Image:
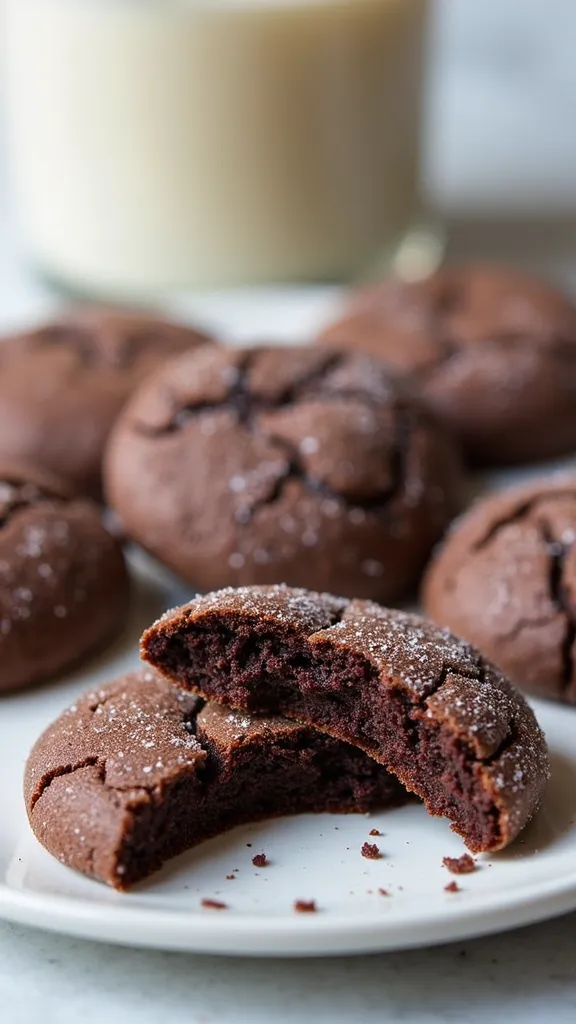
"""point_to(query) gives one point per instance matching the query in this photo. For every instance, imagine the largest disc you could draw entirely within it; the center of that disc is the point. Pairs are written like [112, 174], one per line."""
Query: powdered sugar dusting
[133, 730]
[443, 678]
[318, 446]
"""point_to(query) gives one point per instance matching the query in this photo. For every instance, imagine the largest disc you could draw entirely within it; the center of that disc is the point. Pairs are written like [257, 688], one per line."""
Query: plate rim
[301, 936]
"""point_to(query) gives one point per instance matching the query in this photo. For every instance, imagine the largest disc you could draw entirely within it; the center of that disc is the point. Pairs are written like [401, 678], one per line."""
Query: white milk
[166, 143]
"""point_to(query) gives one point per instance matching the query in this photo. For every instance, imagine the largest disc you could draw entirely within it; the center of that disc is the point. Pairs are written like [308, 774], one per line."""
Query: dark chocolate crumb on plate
[452, 887]
[231, 878]
[463, 865]
[214, 905]
[305, 906]
[370, 851]
[375, 832]
[260, 860]
[384, 892]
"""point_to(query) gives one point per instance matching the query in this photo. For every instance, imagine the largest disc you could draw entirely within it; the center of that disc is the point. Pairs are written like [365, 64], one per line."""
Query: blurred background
[501, 135]
[499, 158]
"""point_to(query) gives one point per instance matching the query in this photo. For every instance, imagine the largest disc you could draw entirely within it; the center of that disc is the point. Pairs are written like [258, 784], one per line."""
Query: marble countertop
[505, 64]
[527, 976]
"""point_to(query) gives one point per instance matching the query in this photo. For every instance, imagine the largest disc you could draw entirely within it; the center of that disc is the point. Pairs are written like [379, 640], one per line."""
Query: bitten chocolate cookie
[492, 350]
[296, 464]
[136, 772]
[506, 580]
[420, 701]
[63, 580]
[63, 385]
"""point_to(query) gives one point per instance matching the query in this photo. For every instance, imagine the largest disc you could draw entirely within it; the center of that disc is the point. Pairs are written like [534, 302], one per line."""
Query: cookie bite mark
[414, 697]
[136, 772]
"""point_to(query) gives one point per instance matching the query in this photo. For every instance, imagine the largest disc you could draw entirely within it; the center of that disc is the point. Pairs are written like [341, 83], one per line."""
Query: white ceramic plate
[310, 857]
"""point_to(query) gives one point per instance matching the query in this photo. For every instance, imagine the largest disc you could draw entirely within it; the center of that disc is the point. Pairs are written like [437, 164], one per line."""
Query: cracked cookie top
[492, 350]
[299, 464]
[414, 696]
[63, 384]
[505, 579]
[133, 730]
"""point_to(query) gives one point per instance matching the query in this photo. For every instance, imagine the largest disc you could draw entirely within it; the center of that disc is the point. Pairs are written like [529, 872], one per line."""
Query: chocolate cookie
[63, 581]
[492, 350]
[302, 465]
[63, 385]
[417, 699]
[136, 772]
[506, 580]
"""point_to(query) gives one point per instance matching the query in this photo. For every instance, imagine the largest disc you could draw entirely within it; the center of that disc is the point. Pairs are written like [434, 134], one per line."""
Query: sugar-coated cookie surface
[425, 704]
[63, 384]
[492, 349]
[64, 587]
[136, 772]
[298, 464]
[505, 579]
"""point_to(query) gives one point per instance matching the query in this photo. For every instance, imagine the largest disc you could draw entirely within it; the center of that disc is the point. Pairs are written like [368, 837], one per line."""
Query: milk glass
[163, 144]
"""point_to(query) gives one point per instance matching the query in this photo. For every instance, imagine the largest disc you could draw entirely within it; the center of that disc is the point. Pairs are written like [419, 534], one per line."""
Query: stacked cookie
[374, 703]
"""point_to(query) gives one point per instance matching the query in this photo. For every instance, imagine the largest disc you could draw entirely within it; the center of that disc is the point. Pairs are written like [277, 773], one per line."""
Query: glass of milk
[166, 144]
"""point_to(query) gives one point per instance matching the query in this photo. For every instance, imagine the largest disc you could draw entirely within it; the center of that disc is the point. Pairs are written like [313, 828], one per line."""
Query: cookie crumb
[214, 905]
[370, 851]
[452, 887]
[248, 844]
[375, 832]
[305, 906]
[384, 892]
[231, 878]
[260, 860]
[463, 865]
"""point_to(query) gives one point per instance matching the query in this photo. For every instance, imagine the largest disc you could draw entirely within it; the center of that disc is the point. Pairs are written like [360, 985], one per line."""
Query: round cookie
[63, 385]
[414, 697]
[505, 579]
[136, 772]
[493, 351]
[301, 465]
[63, 581]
